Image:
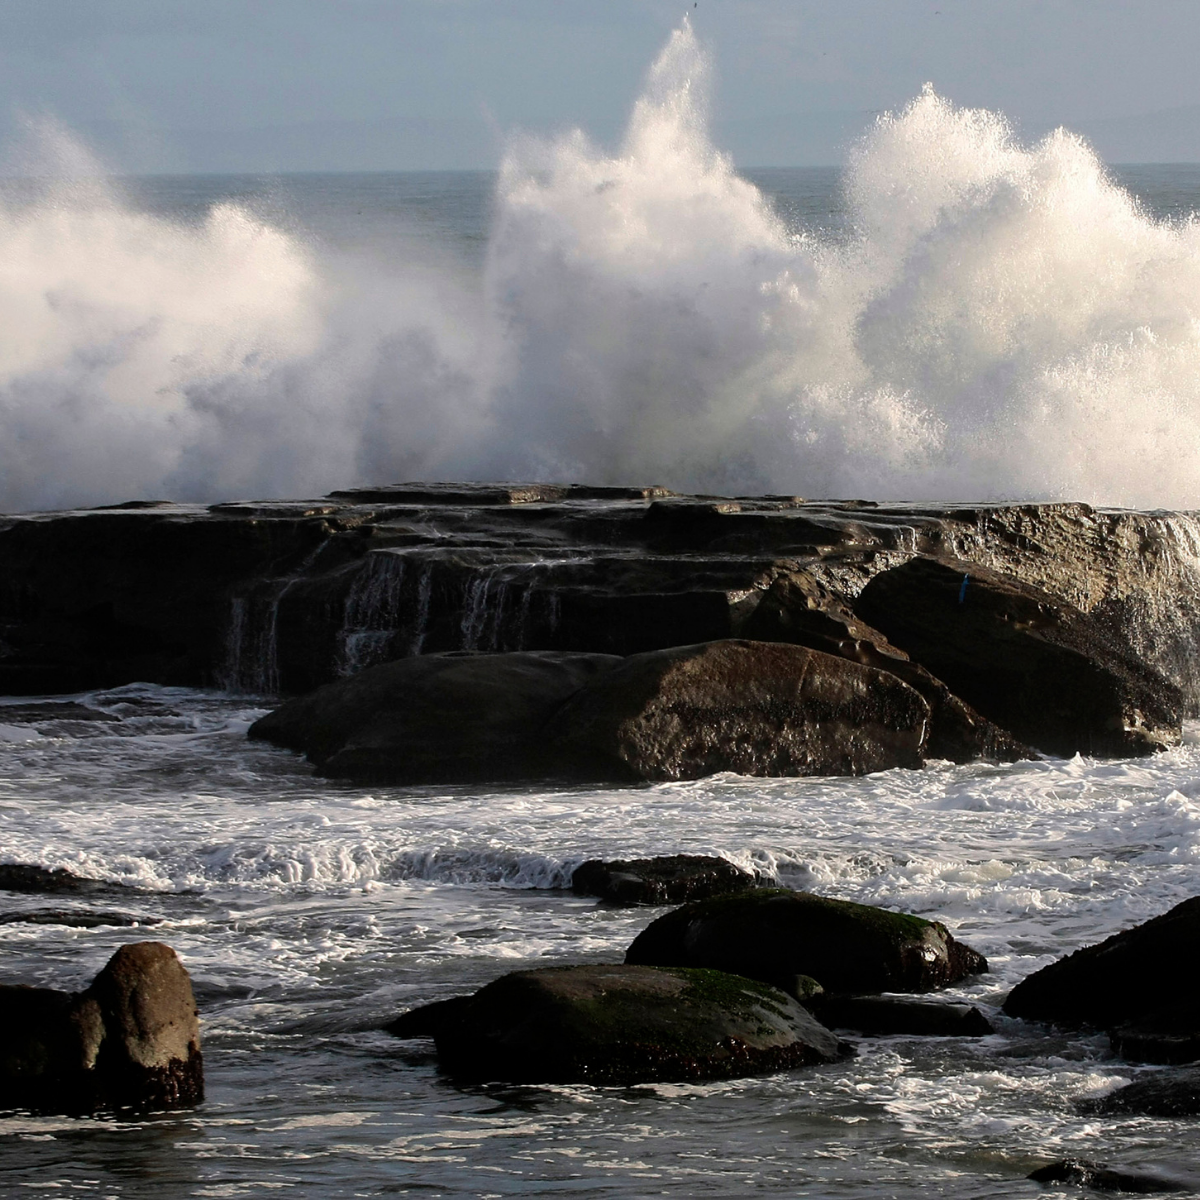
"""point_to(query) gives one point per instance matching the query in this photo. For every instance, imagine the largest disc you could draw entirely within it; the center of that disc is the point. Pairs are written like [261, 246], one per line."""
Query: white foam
[1000, 321]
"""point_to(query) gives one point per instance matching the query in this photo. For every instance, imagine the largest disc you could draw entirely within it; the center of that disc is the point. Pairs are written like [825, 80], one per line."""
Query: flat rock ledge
[130, 1041]
[776, 935]
[621, 1024]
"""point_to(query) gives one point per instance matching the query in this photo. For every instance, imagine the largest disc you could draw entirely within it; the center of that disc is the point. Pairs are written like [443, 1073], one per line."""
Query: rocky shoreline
[477, 633]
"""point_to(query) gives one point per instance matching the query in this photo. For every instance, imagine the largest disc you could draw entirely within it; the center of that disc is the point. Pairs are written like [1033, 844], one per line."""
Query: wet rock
[797, 608]
[1166, 1035]
[74, 918]
[1031, 663]
[622, 1025]
[1170, 1093]
[39, 714]
[667, 879]
[132, 1040]
[1100, 1178]
[29, 878]
[754, 708]
[283, 596]
[775, 935]
[438, 718]
[426, 1020]
[751, 707]
[151, 1050]
[886, 1015]
[1126, 979]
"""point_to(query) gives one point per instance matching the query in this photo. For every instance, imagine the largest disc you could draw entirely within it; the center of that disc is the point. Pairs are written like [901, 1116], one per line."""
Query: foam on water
[996, 320]
[310, 911]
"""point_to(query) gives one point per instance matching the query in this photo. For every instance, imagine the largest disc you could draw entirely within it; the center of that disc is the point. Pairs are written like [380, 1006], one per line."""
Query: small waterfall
[421, 623]
[372, 615]
[252, 637]
[481, 624]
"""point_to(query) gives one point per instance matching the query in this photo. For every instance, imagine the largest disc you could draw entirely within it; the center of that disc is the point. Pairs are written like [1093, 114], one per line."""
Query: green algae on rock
[621, 1024]
[774, 934]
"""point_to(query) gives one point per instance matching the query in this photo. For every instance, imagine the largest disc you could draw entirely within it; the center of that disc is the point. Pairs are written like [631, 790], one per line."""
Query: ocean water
[310, 912]
[953, 315]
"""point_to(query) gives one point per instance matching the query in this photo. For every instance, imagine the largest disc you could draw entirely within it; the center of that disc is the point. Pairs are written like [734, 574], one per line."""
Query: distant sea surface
[403, 215]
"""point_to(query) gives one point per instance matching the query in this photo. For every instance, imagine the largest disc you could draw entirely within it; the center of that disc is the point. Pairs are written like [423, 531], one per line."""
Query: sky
[309, 85]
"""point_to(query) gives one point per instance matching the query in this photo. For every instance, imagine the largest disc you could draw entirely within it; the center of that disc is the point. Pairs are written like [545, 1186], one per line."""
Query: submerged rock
[1100, 1178]
[132, 1040]
[620, 1025]
[1161, 1094]
[30, 878]
[775, 935]
[667, 879]
[75, 918]
[885, 1015]
[1030, 662]
[754, 708]
[438, 718]
[1134, 977]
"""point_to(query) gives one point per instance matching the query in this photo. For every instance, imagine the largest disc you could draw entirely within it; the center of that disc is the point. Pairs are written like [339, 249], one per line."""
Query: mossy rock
[619, 1024]
[774, 934]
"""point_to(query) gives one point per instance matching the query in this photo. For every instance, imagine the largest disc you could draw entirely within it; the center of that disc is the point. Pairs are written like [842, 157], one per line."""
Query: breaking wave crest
[999, 321]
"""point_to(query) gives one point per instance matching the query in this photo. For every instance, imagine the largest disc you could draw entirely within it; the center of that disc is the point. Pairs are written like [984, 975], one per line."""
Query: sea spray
[995, 321]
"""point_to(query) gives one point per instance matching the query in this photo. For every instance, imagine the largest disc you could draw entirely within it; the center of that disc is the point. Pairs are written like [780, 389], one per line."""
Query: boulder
[797, 608]
[774, 935]
[754, 708]
[132, 1040]
[1032, 663]
[880, 1016]
[454, 717]
[621, 1025]
[1127, 979]
[667, 879]
[1172, 1093]
[1100, 1178]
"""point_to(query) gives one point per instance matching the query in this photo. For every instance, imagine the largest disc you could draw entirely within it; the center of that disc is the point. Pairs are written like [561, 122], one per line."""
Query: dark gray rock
[132, 1040]
[1126, 979]
[75, 918]
[438, 718]
[621, 1025]
[667, 879]
[1168, 1093]
[28, 878]
[885, 1015]
[775, 935]
[282, 596]
[1100, 1178]
[754, 708]
[797, 608]
[1166, 1035]
[1028, 661]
